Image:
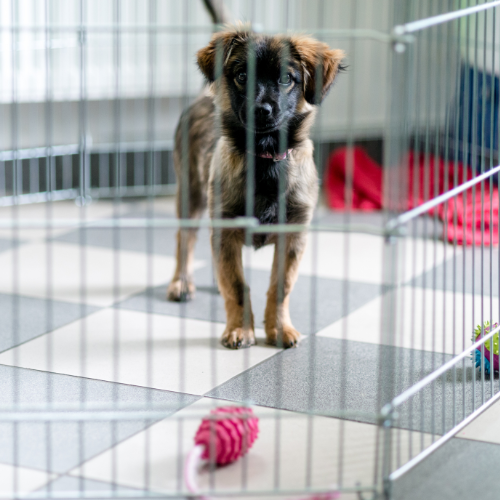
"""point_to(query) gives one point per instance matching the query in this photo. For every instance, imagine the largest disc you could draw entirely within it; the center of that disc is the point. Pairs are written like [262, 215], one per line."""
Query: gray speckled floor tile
[450, 274]
[70, 485]
[61, 446]
[24, 318]
[160, 241]
[312, 297]
[329, 375]
[460, 470]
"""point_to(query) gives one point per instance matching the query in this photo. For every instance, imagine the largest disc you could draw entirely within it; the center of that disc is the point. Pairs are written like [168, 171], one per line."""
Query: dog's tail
[218, 11]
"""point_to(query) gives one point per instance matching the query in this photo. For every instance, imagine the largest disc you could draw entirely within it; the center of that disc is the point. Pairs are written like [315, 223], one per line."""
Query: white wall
[357, 104]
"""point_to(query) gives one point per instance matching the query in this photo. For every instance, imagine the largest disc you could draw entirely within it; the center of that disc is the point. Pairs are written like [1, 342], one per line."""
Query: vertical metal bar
[397, 108]
[456, 157]
[251, 92]
[117, 41]
[82, 200]
[3, 176]
[490, 183]
[49, 167]
[466, 162]
[14, 125]
[138, 169]
[185, 212]
[146, 177]
[473, 164]
[84, 164]
[66, 167]
[417, 71]
[483, 124]
[346, 247]
[34, 171]
[104, 172]
[216, 232]
[445, 53]
[446, 77]
[497, 13]
[313, 241]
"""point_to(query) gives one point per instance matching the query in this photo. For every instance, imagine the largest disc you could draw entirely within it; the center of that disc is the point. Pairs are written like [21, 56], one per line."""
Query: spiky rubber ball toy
[478, 356]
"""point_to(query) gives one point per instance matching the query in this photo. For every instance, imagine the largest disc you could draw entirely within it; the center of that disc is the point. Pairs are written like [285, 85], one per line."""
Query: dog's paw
[289, 338]
[238, 338]
[180, 290]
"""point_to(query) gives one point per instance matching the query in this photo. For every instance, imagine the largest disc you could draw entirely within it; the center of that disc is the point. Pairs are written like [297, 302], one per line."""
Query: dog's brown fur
[211, 168]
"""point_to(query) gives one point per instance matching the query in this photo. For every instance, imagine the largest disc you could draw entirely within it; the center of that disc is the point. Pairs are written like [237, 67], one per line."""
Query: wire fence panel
[319, 183]
[450, 177]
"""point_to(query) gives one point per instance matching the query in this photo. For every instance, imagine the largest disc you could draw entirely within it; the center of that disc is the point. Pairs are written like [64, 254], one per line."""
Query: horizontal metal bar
[72, 194]
[28, 198]
[73, 149]
[406, 217]
[82, 416]
[42, 152]
[126, 223]
[120, 415]
[421, 24]
[399, 400]
[249, 223]
[442, 440]
[112, 28]
[78, 412]
[177, 494]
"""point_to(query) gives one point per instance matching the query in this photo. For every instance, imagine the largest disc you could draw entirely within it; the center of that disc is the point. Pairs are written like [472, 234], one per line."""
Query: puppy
[292, 75]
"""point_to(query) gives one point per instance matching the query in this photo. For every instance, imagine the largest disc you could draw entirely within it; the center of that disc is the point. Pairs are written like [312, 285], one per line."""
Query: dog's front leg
[226, 248]
[287, 255]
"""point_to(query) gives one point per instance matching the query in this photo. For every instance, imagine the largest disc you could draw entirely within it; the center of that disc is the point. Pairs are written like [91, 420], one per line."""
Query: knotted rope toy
[226, 435]
[487, 359]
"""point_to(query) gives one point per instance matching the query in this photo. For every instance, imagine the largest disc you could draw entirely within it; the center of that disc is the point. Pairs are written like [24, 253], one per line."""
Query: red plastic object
[421, 179]
[229, 438]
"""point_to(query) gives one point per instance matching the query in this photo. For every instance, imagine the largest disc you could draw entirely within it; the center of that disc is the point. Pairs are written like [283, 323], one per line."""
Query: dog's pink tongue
[281, 156]
[278, 157]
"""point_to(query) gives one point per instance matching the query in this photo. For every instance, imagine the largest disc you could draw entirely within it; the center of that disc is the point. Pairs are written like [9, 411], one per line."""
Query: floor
[85, 319]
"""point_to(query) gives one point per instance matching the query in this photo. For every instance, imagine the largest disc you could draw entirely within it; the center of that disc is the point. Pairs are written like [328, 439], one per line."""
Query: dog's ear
[220, 46]
[318, 61]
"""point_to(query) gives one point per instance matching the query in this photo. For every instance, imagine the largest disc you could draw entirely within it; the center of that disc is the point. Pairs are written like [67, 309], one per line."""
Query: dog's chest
[270, 191]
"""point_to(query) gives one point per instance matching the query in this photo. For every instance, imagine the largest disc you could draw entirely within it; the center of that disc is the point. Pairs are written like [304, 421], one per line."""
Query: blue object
[479, 364]
[477, 90]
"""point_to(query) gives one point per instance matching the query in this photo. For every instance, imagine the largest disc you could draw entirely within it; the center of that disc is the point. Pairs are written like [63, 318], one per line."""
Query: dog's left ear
[318, 61]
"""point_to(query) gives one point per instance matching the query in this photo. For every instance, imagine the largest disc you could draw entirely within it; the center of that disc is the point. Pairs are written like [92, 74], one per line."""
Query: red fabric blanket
[432, 177]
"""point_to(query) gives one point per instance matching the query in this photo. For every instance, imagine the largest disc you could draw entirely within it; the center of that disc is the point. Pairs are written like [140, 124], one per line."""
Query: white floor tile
[19, 480]
[290, 451]
[356, 257]
[58, 210]
[429, 320]
[185, 356]
[73, 269]
[485, 427]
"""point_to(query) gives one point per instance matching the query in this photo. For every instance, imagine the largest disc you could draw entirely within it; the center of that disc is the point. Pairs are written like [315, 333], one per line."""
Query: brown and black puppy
[292, 75]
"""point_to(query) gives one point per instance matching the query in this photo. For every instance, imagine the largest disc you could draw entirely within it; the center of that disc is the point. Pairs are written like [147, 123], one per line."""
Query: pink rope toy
[226, 435]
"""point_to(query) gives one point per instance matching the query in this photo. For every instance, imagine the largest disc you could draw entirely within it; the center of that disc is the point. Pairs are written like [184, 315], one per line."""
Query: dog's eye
[285, 79]
[242, 77]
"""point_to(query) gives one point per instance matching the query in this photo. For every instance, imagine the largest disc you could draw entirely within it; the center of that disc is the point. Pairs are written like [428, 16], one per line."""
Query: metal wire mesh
[104, 384]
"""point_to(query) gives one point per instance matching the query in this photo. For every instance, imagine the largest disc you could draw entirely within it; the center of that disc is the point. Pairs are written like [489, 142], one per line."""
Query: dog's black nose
[264, 110]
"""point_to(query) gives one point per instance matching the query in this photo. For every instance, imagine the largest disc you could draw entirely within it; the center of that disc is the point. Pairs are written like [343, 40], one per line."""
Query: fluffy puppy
[292, 75]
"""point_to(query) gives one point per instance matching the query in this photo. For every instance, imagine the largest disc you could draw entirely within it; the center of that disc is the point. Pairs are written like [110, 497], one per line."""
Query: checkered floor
[84, 313]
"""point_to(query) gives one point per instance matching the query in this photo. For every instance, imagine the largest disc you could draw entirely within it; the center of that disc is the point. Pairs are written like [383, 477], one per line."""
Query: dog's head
[282, 75]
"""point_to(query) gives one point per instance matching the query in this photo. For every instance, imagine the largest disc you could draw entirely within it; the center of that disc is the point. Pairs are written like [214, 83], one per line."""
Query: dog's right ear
[213, 57]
